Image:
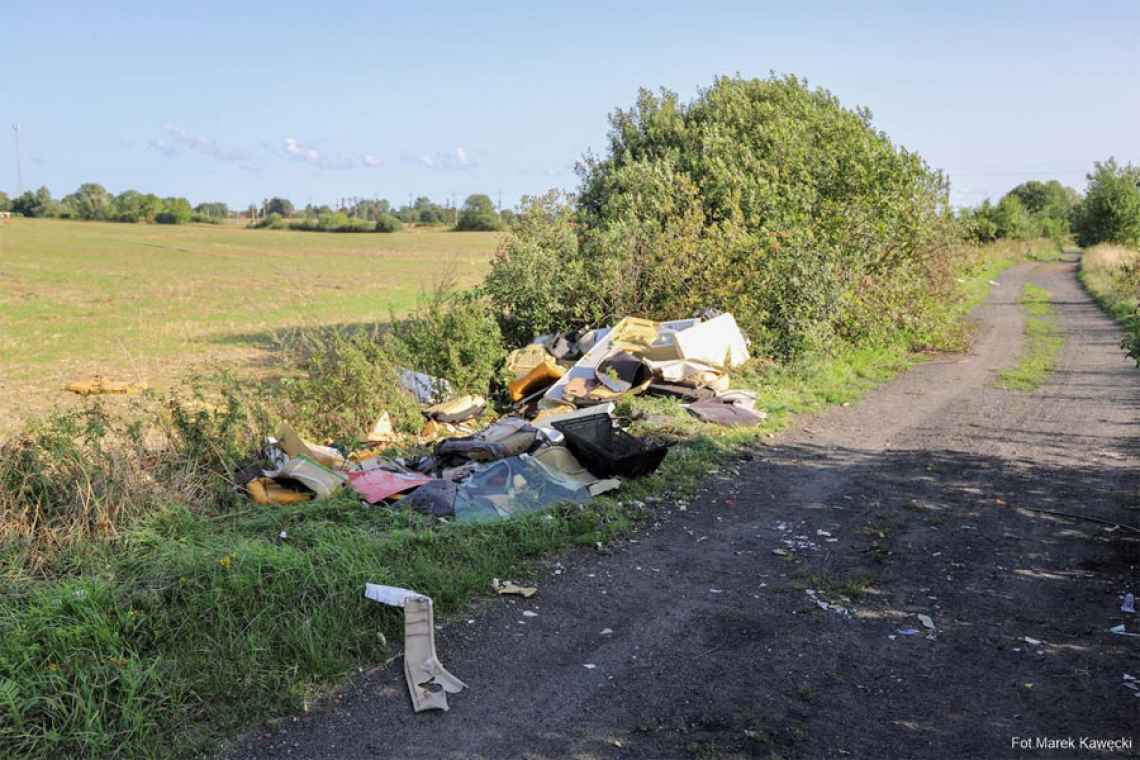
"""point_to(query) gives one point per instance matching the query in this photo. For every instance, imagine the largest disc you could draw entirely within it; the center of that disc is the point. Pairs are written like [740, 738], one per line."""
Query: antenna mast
[19, 167]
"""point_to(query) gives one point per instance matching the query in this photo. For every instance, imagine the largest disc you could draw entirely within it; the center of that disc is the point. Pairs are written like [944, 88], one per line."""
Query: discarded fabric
[505, 437]
[424, 387]
[428, 681]
[457, 410]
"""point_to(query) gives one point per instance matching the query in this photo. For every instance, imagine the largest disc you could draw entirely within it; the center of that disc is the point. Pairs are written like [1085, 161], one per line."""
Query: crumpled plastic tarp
[505, 488]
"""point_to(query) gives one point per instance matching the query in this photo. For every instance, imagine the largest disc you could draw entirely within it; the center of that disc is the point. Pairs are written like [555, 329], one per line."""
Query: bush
[388, 223]
[174, 211]
[539, 280]
[333, 222]
[347, 380]
[271, 222]
[761, 197]
[455, 336]
[1110, 212]
[478, 213]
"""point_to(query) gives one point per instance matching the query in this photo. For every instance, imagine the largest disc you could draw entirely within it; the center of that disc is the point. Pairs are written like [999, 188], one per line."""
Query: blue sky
[240, 101]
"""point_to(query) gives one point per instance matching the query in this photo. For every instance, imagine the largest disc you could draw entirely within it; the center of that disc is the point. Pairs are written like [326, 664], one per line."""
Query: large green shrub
[1110, 212]
[762, 197]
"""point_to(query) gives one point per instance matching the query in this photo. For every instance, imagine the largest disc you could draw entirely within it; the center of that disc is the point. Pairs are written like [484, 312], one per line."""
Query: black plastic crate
[607, 451]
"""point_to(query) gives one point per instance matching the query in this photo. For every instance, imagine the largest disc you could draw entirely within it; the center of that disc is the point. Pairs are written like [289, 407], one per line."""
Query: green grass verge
[1043, 341]
[190, 628]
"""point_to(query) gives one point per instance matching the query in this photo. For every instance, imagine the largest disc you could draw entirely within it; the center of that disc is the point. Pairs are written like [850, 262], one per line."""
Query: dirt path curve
[908, 503]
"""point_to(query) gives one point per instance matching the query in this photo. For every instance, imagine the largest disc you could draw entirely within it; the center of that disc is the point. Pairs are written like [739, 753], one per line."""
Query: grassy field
[144, 302]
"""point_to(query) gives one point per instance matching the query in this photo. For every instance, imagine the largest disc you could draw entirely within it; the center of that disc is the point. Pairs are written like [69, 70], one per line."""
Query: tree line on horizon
[92, 202]
[1108, 212]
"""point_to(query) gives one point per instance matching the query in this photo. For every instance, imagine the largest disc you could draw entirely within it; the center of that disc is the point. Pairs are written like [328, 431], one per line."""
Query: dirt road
[909, 502]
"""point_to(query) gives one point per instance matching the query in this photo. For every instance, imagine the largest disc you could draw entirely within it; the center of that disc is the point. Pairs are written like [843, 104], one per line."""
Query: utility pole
[19, 167]
[500, 209]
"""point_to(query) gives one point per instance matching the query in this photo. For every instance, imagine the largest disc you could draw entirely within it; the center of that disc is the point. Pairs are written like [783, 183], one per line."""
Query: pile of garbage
[560, 443]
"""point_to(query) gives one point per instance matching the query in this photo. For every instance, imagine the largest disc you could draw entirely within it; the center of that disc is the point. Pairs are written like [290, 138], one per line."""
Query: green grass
[190, 626]
[146, 302]
[1043, 341]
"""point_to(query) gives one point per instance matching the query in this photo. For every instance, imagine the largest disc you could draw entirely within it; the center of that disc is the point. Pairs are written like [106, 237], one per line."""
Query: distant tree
[508, 216]
[5, 202]
[37, 204]
[174, 211]
[388, 223]
[1110, 211]
[90, 202]
[216, 210]
[277, 206]
[478, 214]
[429, 212]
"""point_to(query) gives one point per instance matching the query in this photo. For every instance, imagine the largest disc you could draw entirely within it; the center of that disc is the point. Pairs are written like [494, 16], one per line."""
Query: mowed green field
[144, 303]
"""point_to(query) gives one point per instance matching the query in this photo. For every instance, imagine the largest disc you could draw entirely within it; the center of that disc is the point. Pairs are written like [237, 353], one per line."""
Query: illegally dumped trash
[424, 387]
[561, 444]
[380, 483]
[731, 408]
[265, 490]
[100, 386]
[457, 410]
[428, 681]
[510, 587]
[607, 451]
[296, 446]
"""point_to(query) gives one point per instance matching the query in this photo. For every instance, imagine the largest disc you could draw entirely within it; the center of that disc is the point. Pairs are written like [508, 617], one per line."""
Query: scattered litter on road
[1129, 604]
[529, 613]
[825, 605]
[606, 631]
[589, 666]
[428, 681]
[510, 587]
[1032, 641]
[926, 621]
[1120, 630]
[908, 631]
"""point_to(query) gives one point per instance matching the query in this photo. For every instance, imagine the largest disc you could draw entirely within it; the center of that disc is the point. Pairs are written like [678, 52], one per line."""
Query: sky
[238, 102]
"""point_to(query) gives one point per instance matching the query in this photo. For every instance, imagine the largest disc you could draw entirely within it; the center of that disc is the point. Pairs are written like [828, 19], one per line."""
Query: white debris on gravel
[823, 604]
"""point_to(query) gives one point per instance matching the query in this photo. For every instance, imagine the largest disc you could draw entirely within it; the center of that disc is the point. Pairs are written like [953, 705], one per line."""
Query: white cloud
[179, 138]
[455, 159]
[310, 155]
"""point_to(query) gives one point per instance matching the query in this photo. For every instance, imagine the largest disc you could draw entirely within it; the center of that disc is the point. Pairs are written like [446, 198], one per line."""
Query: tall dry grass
[1107, 257]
